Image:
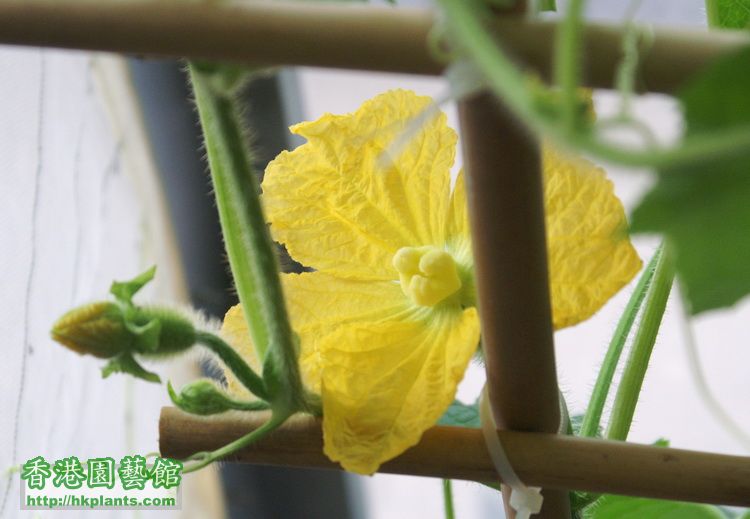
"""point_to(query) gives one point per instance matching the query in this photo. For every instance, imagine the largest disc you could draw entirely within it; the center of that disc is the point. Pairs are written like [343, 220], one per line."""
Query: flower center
[428, 274]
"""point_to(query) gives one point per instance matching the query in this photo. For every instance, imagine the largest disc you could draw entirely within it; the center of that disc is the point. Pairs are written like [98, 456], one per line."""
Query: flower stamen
[428, 274]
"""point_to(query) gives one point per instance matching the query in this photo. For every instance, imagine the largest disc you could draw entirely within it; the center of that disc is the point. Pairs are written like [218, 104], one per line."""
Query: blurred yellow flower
[388, 320]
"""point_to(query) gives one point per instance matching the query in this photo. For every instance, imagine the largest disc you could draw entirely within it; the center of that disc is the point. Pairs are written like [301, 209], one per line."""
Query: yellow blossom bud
[96, 329]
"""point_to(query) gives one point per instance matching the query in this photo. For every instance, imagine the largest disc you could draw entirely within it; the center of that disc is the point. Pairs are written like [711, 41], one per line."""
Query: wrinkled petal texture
[318, 304]
[385, 368]
[457, 232]
[341, 206]
[234, 331]
[590, 255]
[386, 382]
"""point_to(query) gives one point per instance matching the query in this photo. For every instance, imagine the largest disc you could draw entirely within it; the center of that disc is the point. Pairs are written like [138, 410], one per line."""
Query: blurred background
[104, 175]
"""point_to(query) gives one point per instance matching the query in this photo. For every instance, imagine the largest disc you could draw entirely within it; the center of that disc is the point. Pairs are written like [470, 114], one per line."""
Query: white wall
[79, 207]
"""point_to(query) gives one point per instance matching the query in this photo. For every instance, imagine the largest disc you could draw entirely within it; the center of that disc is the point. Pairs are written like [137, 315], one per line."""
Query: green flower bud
[200, 397]
[205, 397]
[105, 330]
[118, 330]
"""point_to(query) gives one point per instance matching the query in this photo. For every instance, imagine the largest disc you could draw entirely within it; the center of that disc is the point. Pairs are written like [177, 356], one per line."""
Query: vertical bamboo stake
[506, 210]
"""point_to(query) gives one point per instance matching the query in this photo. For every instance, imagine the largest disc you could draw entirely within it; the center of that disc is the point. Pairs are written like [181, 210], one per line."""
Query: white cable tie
[525, 500]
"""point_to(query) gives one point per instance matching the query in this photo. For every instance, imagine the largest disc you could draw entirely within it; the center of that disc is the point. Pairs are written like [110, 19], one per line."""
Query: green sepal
[146, 336]
[125, 290]
[125, 363]
[204, 397]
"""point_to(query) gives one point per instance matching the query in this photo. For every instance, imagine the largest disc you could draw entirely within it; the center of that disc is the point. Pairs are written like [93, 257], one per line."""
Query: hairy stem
[206, 458]
[592, 418]
[631, 383]
[567, 61]
[248, 242]
[234, 362]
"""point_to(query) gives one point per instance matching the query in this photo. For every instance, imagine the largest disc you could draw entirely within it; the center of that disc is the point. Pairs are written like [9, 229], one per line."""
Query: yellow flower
[388, 321]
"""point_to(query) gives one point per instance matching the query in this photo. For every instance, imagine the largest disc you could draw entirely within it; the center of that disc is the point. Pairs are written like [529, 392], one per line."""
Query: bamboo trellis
[506, 212]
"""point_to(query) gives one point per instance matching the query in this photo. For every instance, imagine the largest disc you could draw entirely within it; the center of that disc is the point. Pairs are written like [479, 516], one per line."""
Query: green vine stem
[203, 459]
[234, 362]
[567, 50]
[592, 418]
[448, 499]
[629, 389]
[465, 22]
[248, 242]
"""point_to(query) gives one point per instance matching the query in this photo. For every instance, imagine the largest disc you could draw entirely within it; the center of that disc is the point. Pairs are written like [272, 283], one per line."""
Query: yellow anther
[428, 275]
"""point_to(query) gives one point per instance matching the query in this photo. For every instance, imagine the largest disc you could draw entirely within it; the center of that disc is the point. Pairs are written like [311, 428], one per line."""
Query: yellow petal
[339, 208]
[590, 255]
[234, 330]
[385, 383]
[318, 304]
[457, 230]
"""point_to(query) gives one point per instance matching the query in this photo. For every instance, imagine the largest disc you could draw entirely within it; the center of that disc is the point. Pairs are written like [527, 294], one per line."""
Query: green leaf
[621, 507]
[728, 14]
[704, 207]
[459, 414]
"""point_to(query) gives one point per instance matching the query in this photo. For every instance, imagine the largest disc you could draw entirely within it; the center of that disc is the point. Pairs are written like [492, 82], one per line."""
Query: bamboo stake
[332, 35]
[506, 211]
[546, 460]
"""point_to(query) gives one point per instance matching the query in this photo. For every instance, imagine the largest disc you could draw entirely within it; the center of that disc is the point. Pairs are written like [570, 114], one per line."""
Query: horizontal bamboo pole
[331, 35]
[539, 459]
